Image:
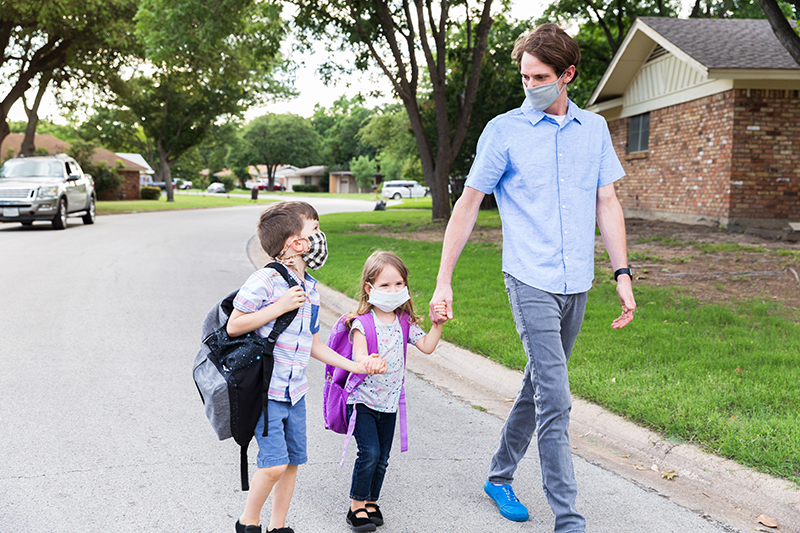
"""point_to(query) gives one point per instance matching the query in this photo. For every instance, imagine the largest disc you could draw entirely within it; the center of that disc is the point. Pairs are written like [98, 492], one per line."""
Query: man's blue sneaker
[507, 502]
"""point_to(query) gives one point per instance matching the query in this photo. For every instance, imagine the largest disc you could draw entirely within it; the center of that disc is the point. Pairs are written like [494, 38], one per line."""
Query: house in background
[146, 175]
[705, 118]
[342, 182]
[128, 170]
[305, 176]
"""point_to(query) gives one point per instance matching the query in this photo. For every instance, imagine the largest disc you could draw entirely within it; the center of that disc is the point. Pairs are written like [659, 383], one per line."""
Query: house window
[307, 180]
[639, 133]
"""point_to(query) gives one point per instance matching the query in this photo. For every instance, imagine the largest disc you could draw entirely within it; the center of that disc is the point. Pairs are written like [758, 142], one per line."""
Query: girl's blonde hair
[372, 269]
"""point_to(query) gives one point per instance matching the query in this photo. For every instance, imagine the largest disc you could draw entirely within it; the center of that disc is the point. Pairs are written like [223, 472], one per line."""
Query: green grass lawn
[724, 377]
[182, 201]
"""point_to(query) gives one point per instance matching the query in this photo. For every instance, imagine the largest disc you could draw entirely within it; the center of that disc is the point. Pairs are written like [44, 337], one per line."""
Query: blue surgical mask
[542, 96]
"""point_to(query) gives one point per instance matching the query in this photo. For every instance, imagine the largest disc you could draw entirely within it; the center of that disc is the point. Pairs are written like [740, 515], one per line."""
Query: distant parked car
[397, 189]
[48, 188]
[216, 187]
[184, 184]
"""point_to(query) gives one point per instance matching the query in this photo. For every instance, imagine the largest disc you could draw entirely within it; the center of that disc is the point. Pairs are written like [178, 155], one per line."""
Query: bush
[151, 193]
[305, 188]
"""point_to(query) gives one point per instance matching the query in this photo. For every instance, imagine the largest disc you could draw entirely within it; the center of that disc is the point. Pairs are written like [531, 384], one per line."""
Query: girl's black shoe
[241, 528]
[359, 523]
[375, 516]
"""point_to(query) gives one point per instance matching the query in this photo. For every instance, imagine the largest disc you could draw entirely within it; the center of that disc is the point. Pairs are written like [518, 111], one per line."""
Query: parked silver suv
[49, 188]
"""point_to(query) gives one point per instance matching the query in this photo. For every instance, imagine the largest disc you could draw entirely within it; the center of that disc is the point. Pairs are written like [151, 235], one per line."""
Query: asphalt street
[102, 427]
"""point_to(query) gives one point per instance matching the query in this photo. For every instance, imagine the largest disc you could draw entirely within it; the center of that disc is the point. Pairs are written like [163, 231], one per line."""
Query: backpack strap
[405, 325]
[354, 380]
[281, 323]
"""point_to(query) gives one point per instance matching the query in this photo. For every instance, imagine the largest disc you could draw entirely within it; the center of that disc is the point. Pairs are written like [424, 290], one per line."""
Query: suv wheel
[396, 196]
[89, 217]
[60, 220]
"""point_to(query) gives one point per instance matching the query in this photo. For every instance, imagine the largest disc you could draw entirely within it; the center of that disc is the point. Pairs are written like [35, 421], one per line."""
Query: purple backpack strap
[405, 324]
[354, 380]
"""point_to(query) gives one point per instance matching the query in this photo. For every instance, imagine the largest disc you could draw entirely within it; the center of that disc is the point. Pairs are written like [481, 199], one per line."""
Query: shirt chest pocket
[582, 170]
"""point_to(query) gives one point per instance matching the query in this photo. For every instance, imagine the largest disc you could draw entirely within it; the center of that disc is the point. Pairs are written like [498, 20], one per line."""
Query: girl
[384, 295]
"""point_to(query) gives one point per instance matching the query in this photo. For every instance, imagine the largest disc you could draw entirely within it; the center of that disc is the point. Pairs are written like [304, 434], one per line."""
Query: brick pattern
[765, 175]
[727, 157]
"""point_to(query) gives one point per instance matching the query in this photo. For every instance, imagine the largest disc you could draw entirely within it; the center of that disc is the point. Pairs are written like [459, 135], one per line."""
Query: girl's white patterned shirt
[381, 392]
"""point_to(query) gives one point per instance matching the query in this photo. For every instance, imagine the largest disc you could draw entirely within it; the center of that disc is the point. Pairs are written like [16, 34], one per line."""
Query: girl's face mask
[388, 301]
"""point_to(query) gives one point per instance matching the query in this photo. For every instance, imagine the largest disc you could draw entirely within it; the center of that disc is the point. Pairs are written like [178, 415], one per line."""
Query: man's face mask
[542, 96]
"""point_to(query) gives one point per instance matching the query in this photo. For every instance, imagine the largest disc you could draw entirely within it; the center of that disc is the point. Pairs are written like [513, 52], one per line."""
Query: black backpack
[232, 374]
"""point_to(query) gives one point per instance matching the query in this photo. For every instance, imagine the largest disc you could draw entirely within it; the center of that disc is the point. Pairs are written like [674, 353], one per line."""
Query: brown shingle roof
[725, 43]
[54, 145]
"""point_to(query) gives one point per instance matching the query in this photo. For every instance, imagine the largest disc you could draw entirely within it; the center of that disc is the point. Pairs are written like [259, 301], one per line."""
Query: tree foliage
[363, 169]
[274, 140]
[338, 127]
[78, 42]
[394, 36]
[211, 59]
[389, 132]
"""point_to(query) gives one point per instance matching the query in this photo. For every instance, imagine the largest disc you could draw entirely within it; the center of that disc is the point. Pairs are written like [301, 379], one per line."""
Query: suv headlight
[48, 192]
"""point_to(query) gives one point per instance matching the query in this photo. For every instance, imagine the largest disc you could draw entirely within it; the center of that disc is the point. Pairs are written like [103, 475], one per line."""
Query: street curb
[718, 489]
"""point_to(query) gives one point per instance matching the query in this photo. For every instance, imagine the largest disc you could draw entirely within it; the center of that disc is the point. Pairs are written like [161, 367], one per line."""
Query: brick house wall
[129, 188]
[765, 176]
[731, 158]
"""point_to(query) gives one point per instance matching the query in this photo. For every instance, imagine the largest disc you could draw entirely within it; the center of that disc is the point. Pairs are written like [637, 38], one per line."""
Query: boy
[289, 232]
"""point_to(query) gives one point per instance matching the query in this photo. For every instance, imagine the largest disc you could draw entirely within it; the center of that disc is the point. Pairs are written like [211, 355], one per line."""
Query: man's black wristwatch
[623, 271]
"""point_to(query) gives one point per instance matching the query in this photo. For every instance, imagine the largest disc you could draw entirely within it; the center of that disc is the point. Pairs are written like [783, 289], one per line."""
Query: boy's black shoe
[359, 523]
[375, 516]
[281, 530]
[241, 528]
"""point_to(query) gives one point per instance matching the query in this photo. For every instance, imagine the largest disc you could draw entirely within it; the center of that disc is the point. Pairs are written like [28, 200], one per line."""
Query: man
[551, 166]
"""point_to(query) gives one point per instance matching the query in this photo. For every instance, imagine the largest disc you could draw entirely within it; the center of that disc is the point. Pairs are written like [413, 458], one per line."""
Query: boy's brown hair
[280, 221]
[552, 46]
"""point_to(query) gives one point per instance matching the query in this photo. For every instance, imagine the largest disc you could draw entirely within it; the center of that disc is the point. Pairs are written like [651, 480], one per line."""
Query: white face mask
[388, 301]
[542, 96]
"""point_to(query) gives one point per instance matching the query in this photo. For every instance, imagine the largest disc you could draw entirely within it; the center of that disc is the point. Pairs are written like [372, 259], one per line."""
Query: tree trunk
[165, 170]
[29, 142]
[782, 29]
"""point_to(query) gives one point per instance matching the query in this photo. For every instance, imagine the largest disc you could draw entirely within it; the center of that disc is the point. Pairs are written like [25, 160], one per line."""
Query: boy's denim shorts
[285, 443]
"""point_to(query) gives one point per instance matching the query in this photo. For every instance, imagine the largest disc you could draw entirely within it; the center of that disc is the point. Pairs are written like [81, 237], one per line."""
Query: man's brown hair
[552, 46]
[280, 221]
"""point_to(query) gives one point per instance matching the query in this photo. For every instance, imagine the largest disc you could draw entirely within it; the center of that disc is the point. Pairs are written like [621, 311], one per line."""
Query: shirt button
[563, 206]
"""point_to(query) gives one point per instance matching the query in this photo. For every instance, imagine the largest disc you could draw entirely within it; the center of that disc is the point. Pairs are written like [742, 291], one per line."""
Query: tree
[275, 140]
[339, 127]
[786, 34]
[393, 34]
[212, 60]
[363, 169]
[500, 89]
[389, 132]
[85, 39]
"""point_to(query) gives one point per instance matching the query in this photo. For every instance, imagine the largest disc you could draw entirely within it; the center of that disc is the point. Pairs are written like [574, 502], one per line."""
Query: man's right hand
[442, 294]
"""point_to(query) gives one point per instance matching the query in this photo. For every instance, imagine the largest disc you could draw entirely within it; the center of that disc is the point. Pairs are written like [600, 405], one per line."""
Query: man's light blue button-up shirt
[545, 178]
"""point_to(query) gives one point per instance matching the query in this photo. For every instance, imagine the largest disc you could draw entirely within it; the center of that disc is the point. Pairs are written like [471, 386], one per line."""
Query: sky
[307, 82]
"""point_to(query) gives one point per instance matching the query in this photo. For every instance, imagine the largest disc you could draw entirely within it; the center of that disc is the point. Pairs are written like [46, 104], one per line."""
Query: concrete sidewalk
[722, 491]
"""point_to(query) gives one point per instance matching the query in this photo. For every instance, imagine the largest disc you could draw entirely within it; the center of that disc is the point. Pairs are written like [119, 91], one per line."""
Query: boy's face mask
[317, 252]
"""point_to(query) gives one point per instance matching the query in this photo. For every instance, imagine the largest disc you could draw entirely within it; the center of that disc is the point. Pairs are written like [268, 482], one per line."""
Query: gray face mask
[542, 96]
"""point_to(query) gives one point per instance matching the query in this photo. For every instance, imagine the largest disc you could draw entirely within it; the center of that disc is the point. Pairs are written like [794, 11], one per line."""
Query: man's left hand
[625, 293]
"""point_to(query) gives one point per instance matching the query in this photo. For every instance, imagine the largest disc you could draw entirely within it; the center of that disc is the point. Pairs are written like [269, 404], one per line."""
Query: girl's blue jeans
[374, 432]
[548, 325]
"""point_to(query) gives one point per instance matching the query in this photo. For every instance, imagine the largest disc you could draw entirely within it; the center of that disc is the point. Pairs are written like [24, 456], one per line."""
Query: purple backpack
[339, 383]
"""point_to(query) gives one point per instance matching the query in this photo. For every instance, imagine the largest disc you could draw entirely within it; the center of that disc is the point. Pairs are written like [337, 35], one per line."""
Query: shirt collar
[536, 116]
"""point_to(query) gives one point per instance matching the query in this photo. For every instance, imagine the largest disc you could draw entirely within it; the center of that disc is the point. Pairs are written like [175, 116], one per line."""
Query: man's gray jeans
[548, 325]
